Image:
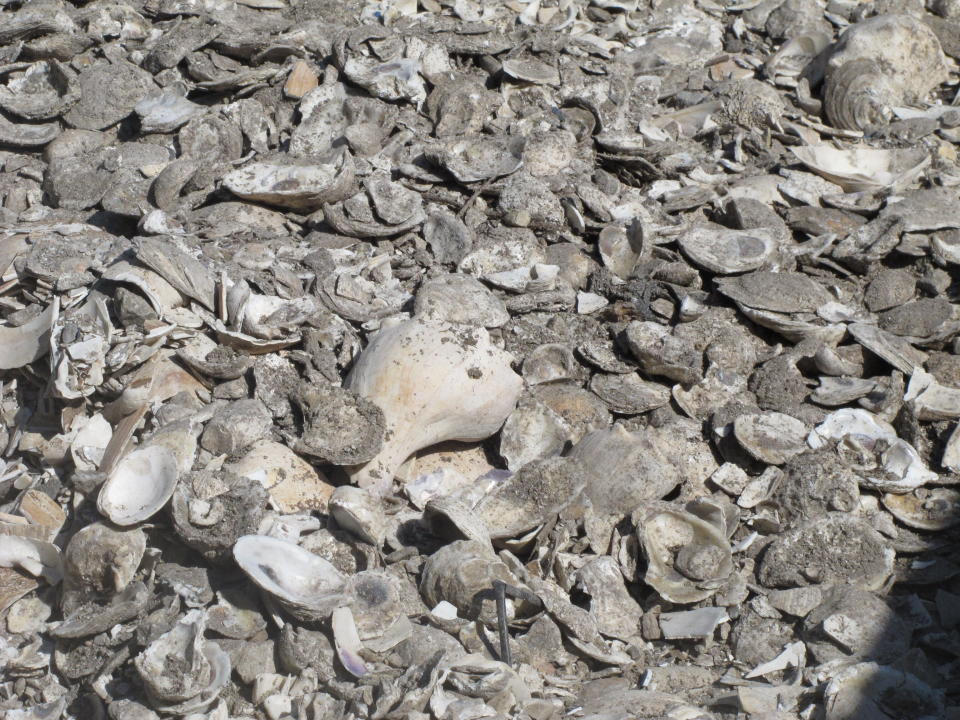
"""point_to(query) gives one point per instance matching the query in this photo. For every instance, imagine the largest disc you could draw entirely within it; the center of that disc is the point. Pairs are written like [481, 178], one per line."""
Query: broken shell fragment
[304, 584]
[688, 558]
[434, 382]
[771, 437]
[925, 508]
[862, 169]
[139, 486]
[359, 512]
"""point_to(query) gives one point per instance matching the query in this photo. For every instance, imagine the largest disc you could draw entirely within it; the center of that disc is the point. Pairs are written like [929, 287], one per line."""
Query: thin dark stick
[500, 588]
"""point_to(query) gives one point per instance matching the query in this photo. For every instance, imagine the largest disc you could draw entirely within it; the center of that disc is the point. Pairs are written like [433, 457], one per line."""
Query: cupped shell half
[688, 559]
[139, 486]
[304, 584]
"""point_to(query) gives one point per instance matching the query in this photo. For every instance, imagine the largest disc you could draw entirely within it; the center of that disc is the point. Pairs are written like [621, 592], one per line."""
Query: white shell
[725, 251]
[862, 168]
[139, 486]
[306, 585]
[434, 382]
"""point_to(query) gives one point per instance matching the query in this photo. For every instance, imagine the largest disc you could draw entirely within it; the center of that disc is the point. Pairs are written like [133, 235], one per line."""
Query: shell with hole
[434, 382]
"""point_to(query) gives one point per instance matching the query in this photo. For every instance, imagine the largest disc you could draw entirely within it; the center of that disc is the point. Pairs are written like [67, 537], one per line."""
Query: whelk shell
[434, 382]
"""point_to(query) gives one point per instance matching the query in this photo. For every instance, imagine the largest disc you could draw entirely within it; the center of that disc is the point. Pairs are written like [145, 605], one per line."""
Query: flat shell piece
[726, 252]
[861, 169]
[293, 484]
[139, 486]
[692, 624]
[531, 70]
[782, 292]
[771, 437]
[629, 394]
[896, 351]
[22, 345]
[837, 548]
[925, 508]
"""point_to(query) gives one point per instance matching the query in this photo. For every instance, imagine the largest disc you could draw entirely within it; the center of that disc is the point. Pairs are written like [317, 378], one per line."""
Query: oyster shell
[304, 584]
[878, 64]
[303, 187]
[139, 485]
[182, 672]
[42, 91]
[359, 512]
[727, 252]
[409, 370]
[864, 169]
[477, 158]
[688, 558]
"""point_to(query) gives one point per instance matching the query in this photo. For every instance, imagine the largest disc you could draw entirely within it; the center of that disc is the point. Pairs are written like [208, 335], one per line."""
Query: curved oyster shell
[180, 670]
[862, 168]
[377, 609]
[925, 508]
[794, 57]
[304, 584]
[434, 382]
[299, 186]
[359, 512]
[477, 158]
[43, 91]
[724, 251]
[462, 573]
[688, 558]
[139, 486]
[880, 63]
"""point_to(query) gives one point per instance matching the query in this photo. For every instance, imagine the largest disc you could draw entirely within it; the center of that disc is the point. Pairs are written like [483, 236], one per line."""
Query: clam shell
[139, 485]
[304, 584]
[673, 540]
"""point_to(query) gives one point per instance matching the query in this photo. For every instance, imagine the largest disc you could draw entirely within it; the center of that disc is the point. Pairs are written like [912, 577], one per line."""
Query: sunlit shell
[859, 169]
[925, 508]
[377, 609]
[304, 584]
[360, 512]
[301, 187]
[688, 558]
[724, 251]
[139, 486]
[885, 61]
[100, 560]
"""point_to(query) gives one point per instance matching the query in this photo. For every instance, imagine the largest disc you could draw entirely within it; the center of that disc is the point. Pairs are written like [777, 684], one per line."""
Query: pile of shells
[451, 360]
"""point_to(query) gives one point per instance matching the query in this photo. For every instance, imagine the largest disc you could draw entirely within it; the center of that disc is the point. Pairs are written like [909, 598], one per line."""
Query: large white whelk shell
[688, 559]
[181, 671]
[139, 486]
[434, 382]
[304, 584]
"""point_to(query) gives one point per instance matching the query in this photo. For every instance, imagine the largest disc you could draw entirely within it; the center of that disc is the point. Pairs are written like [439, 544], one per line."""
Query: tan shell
[434, 382]
[300, 187]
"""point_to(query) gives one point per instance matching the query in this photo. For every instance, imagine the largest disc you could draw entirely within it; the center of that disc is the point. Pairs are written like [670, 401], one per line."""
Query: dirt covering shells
[467, 360]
